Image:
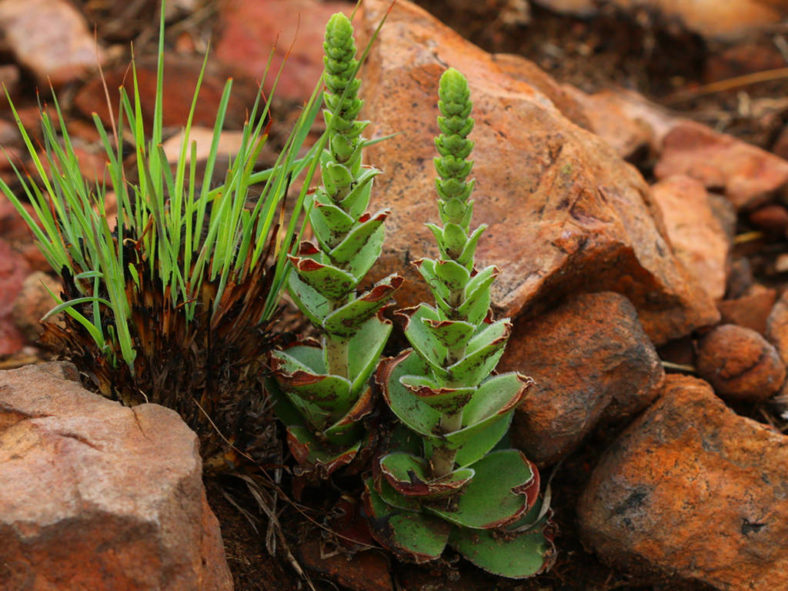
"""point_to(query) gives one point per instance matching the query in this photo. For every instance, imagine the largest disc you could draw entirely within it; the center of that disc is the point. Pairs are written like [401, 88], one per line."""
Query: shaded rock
[293, 29]
[696, 234]
[747, 175]
[180, 79]
[710, 18]
[9, 80]
[740, 277]
[777, 327]
[739, 363]
[780, 147]
[13, 270]
[366, 571]
[94, 495]
[725, 212]
[564, 213]
[741, 59]
[626, 120]
[50, 38]
[750, 310]
[33, 302]
[679, 352]
[771, 218]
[691, 489]
[591, 361]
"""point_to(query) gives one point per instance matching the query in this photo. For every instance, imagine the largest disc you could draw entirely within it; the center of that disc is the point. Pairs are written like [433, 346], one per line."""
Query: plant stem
[442, 460]
[336, 356]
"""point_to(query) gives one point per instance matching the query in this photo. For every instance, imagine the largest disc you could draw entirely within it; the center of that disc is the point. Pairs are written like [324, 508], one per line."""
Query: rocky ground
[631, 166]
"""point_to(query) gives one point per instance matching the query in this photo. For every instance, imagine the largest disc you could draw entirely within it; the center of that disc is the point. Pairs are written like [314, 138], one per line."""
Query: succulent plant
[323, 387]
[443, 481]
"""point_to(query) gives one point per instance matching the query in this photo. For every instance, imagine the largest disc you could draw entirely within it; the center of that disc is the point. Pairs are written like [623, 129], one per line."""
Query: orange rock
[49, 37]
[750, 310]
[292, 29]
[772, 218]
[747, 175]
[564, 213]
[591, 361]
[626, 120]
[565, 101]
[739, 363]
[698, 238]
[366, 571]
[33, 302]
[709, 18]
[13, 270]
[692, 490]
[777, 327]
[94, 495]
[180, 79]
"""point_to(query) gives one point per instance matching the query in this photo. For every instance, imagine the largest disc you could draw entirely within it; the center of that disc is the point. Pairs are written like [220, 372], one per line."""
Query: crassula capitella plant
[444, 480]
[323, 388]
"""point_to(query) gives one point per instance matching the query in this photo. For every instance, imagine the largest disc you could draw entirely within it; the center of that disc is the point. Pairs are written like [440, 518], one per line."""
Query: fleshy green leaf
[415, 537]
[346, 320]
[409, 475]
[495, 497]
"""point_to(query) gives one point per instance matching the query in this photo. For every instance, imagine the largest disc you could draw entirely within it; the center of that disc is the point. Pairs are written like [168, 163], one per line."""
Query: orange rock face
[740, 363]
[564, 212]
[591, 361]
[94, 495]
[693, 490]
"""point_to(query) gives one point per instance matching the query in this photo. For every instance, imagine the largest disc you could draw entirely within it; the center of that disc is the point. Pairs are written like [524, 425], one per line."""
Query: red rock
[365, 571]
[747, 175]
[692, 490]
[709, 18]
[49, 37]
[625, 119]
[772, 218]
[591, 361]
[743, 58]
[780, 147]
[94, 495]
[251, 29]
[698, 238]
[180, 79]
[33, 302]
[565, 214]
[740, 363]
[13, 270]
[777, 327]
[750, 310]
[9, 82]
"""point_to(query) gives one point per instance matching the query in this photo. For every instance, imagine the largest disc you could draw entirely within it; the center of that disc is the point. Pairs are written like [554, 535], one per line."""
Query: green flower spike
[323, 388]
[442, 483]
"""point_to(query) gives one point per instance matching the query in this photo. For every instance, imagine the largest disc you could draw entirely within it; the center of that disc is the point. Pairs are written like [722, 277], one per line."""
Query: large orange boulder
[565, 213]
